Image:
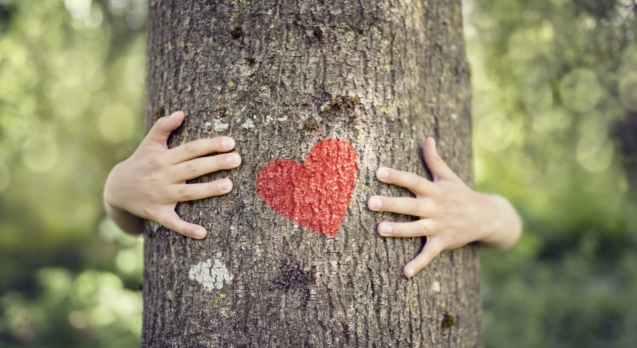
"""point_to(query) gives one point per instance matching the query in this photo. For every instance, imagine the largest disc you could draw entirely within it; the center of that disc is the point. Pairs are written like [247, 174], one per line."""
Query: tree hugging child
[150, 183]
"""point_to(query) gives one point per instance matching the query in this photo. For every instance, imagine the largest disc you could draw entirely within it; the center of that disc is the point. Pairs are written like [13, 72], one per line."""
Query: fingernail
[382, 173]
[228, 143]
[374, 203]
[384, 229]
[199, 233]
[224, 185]
[233, 159]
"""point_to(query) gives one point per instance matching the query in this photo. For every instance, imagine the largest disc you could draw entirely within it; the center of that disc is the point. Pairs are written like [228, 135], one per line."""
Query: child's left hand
[451, 214]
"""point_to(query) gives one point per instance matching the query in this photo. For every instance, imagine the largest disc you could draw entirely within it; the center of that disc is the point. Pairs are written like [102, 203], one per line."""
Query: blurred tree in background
[555, 111]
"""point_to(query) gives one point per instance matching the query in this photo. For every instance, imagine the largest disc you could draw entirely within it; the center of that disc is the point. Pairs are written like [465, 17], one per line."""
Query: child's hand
[151, 182]
[451, 214]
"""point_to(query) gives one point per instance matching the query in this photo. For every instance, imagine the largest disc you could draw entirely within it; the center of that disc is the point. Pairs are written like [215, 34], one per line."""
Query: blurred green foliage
[71, 106]
[555, 115]
[555, 112]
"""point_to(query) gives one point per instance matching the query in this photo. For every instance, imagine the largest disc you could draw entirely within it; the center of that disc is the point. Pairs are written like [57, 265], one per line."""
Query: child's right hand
[150, 183]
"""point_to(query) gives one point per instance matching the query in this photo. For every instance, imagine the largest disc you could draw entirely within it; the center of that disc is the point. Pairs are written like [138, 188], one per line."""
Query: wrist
[110, 191]
[509, 227]
[126, 220]
[493, 226]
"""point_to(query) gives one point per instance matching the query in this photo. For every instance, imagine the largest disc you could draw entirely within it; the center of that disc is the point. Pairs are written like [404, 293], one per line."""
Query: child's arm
[451, 214]
[150, 183]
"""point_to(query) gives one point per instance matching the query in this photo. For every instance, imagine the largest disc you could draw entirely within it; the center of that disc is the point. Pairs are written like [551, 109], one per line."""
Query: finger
[173, 222]
[420, 207]
[431, 249]
[161, 130]
[198, 148]
[191, 192]
[204, 165]
[411, 181]
[422, 227]
[436, 165]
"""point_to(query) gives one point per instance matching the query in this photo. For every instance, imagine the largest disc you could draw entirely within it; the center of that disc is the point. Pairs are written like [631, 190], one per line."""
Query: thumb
[436, 165]
[161, 130]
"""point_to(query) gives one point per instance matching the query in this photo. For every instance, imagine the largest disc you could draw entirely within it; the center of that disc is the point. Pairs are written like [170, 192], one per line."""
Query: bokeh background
[555, 131]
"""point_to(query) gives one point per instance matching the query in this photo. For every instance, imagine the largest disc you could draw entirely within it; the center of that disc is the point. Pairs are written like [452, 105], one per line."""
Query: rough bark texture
[272, 75]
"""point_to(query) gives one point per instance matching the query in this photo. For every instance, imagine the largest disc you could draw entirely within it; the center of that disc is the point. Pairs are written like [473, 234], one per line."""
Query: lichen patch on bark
[248, 124]
[220, 126]
[436, 286]
[210, 276]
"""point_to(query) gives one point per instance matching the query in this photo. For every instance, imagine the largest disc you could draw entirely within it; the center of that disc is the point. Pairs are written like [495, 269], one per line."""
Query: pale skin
[450, 213]
[150, 183]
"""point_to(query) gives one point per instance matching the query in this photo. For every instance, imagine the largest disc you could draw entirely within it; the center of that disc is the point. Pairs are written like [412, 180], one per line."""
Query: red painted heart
[314, 195]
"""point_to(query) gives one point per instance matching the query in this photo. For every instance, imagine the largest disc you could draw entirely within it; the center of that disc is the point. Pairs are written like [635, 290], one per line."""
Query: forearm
[126, 221]
[509, 226]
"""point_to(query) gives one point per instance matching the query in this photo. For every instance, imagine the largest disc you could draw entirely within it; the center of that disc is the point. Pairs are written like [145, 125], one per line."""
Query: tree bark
[280, 77]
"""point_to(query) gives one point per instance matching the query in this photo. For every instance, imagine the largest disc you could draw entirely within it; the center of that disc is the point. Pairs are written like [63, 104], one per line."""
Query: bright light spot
[494, 133]
[56, 281]
[77, 319]
[79, 9]
[17, 317]
[538, 100]
[86, 284]
[589, 23]
[594, 159]
[5, 176]
[101, 316]
[552, 120]
[119, 3]
[594, 152]
[517, 41]
[116, 123]
[104, 302]
[118, 7]
[628, 91]
[40, 153]
[95, 18]
[525, 44]
[108, 230]
[481, 170]
[580, 90]
[129, 260]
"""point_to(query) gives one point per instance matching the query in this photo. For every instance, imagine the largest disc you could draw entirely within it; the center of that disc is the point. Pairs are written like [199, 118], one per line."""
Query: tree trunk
[280, 77]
